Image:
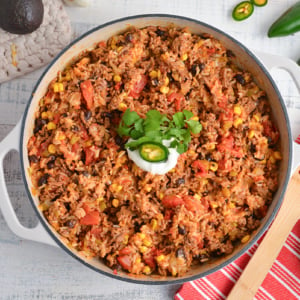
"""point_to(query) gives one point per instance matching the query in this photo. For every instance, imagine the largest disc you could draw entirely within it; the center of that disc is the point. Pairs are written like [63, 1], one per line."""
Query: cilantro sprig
[156, 127]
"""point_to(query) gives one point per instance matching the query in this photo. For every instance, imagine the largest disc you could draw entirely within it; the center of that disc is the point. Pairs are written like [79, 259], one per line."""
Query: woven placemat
[20, 54]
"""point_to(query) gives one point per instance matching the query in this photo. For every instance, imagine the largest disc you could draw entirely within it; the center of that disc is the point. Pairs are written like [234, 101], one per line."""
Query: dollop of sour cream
[159, 168]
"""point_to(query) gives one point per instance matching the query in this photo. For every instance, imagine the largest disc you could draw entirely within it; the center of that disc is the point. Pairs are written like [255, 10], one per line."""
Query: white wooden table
[29, 270]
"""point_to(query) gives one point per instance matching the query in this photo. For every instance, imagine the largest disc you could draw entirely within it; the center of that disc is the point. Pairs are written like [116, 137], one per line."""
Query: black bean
[160, 32]
[155, 82]
[75, 128]
[180, 253]
[50, 164]
[39, 123]
[229, 53]
[137, 226]
[180, 181]
[205, 193]
[119, 140]
[43, 179]
[33, 158]
[240, 79]
[85, 173]
[252, 148]
[208, 157]
[70, 223]
[87, 114]
[181, 229]
[129, 37]
[107, 114]
[194, 69]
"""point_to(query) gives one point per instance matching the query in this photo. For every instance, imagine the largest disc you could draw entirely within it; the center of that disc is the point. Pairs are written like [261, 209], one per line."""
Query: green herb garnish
[157, 127]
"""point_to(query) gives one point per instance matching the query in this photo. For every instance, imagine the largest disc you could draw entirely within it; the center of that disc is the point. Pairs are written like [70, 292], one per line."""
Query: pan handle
[38, 233]
[272, 61]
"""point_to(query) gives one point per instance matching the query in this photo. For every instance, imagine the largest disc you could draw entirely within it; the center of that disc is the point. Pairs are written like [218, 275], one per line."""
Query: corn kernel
[141, 235]
[138, 260]
[184, 57]
[153, 74]
[147, 242]
[117, 78]
[277, 155]
[237, 122]
[102, 206]
[245, 239]
[213, 166]
[226, 192]
[164, 89]
[197, 197]
[44, 115]
[119, 49]
[122, 106]
[147, 270]
[154, 224]
[195, 118]
[115, 202]
[237, 110]
[51, 126]
[210, 146]
[251, 134]
[160, 258]
[272, 160]
[256, 117]
[233, 173]
[51, 149]
[88, 143]
[161, 195]
[158, 74]
[58, 87]
[143, 249]
[227, 125]
[231, 205]
[74, 139]
[148, 188]
[174, 272]
[125, 239]
[166, 82]
[214, 205]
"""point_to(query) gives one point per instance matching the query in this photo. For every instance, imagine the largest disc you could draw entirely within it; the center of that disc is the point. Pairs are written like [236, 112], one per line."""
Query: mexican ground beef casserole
[102, 204]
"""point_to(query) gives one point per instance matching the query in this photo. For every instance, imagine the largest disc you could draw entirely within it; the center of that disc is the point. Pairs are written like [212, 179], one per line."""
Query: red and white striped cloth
[282, 281]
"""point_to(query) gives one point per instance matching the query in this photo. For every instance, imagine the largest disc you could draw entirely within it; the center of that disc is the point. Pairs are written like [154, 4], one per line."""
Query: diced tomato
[75, 147]
[200, 167]
[168, 214]
[237, 152]
[96, 232]
[226, 144]
[138, 86]
[83, 133]
[89, 156]
[222, 102]
[150, 261]
[170, 201]
[125, 262]
[177, 98]
[270, 131]
[225, 165]
[87, 91]
[192, 203]
[118, 86]
[125, 251]
[226, 116]
[56, 118]
[92, 218]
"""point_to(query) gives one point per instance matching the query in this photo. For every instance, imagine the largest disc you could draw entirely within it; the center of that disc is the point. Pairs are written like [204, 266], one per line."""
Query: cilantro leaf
[130, 117]
[178, 119]
[194, 126]
[187, 114]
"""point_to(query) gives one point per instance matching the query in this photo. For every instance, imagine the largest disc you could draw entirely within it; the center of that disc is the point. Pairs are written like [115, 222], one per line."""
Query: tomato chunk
[87, 91]
[138, 86]
[92, 218]
[192, 204]
[125, 262]
[89, 156]
[177, 98]
[170, 201]
[200, 167]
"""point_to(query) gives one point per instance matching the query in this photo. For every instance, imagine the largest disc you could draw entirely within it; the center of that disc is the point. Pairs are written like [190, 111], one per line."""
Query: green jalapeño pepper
[287, 24]
[153, 152]
[243, 11]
